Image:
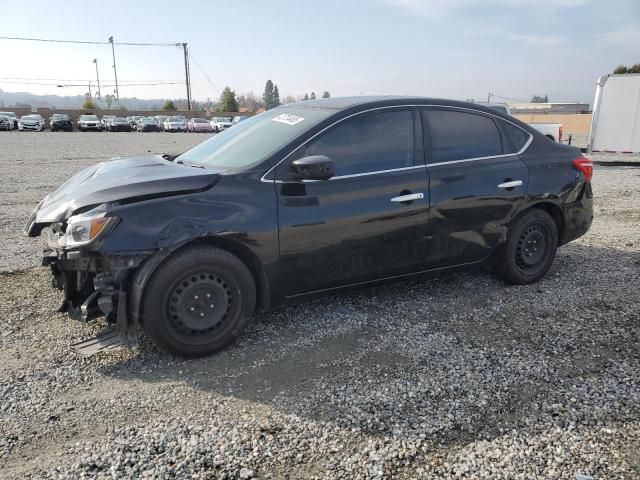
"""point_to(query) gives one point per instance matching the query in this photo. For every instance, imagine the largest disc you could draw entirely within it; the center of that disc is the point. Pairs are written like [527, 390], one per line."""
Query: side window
[367, 143]
[515, 136]
[460, 135]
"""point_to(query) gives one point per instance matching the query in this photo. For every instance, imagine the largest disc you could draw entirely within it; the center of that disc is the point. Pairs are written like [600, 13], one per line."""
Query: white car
[31, 122]
[105, 120]
[176, 123]
[219, 124]
[89, 122]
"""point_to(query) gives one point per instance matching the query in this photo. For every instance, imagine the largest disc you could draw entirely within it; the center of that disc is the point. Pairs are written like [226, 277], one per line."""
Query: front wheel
[530, 248]
[198, 301]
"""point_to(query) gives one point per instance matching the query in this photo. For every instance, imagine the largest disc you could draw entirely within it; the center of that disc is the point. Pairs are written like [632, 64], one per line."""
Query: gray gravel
[453, 376]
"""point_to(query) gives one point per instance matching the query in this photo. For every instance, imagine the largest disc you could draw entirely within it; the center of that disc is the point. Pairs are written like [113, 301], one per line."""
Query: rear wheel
[530, 248]
[198, 301]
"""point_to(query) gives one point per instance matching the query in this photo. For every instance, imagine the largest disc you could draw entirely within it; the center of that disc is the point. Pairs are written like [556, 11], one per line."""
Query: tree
[169, 106]
[621, 69]
[326, 94]
[89, 105]
[313, 96]
[276, 96]
[538, 99]
[306, 96]
[228, 102]
[109, 99]
[267, 96]
[634, 68]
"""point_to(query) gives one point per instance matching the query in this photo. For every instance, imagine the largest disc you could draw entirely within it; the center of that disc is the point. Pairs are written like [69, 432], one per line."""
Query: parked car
[134, 121]
[118, 124]
[60, 121]
[175, 123]
[31, 122]
[6, 123]
[13, 117]
[89, 122]
[161, 119]
[105, 120]
[199, 125]
[148, 124]
[239, 118]
[306, 199]
[553, 131]
[221, 123]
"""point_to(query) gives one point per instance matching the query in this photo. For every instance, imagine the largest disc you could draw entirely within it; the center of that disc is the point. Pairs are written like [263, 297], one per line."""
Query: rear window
[516, 138]
[460, 135]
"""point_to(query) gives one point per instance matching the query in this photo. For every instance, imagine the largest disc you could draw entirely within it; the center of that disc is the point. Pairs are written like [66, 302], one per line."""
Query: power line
[37, 79]
[87, 42]
[506, 98]
[84, 84]
[203, 72]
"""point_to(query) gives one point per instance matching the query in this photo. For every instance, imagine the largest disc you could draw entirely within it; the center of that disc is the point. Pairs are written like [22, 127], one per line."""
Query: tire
[529, 250]
[176, 312]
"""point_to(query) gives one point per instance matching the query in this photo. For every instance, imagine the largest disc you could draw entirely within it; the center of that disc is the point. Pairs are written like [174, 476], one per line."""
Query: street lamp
[89, 85]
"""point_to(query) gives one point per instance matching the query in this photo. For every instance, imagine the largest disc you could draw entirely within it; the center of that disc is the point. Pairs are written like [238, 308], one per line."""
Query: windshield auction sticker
[288, 119]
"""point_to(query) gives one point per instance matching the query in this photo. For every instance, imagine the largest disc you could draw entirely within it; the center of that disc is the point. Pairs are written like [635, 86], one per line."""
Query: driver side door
[367, 222]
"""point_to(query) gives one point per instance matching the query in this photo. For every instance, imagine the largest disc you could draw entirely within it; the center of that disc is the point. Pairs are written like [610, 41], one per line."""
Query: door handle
[410, 197]
[510, 184]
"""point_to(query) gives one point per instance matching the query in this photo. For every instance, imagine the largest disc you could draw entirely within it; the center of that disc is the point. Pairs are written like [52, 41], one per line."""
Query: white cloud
[627, 36]
[440, 8]
[528, 39]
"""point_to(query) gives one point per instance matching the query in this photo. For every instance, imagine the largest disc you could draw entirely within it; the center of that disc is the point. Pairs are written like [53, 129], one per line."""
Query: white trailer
[615, 124]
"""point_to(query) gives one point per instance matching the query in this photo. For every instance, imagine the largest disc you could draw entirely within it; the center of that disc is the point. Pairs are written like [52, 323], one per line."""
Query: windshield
[253, 140]
[60, 116]
[119, 119]
[198, 120]
[31, 117]
[88, 117]
[8, 114]
[176, 119]
[222, 119]
[148, 120]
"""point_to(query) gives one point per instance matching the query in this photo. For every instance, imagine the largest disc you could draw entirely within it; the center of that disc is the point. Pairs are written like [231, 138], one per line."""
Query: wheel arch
[554, 211]
[142, 276]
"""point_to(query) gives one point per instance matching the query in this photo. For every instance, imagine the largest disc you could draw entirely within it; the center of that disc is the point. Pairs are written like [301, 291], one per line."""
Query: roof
[341, 103]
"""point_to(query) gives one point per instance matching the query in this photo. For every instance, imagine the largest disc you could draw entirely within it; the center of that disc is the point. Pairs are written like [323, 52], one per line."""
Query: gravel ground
[453, 376]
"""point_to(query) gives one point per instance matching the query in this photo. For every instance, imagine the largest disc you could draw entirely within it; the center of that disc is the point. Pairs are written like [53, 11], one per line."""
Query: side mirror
[314, 167]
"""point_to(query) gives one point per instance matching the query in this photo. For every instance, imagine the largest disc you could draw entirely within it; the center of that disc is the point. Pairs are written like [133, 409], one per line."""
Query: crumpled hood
[118, 179]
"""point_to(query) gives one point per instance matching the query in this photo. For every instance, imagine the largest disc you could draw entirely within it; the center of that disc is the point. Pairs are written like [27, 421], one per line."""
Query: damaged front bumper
[94, 286]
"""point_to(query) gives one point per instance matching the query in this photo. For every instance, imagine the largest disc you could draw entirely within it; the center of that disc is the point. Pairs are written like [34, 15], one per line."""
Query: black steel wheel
[198, 301]
[529, 250]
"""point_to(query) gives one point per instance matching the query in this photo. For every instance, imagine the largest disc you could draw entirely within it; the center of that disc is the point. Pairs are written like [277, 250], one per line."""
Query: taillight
[584, 165]
[560, 135]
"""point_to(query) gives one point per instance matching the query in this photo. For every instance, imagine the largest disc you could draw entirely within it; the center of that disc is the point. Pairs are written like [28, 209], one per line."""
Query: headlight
[82, 229]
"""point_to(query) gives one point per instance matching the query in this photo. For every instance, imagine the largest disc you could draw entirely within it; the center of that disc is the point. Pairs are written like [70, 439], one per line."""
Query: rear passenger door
[477, 181]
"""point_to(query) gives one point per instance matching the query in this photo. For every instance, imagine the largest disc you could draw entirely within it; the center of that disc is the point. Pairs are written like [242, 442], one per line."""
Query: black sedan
[147, 124]
[60, 121]
[305, 199]
[118, 124]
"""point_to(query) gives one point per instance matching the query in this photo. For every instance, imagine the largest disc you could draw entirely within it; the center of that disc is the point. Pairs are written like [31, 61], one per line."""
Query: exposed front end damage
[94, 286]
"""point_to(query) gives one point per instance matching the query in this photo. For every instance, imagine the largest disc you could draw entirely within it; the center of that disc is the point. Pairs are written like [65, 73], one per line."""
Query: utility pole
[186, 74]
[95, 60]
[115, 73]
[489, 98]
[90, 97]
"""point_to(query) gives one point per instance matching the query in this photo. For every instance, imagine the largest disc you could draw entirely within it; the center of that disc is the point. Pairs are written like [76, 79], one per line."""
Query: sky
[456, 49]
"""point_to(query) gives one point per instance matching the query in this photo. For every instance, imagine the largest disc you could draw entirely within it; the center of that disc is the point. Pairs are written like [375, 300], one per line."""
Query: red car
[199, 125]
